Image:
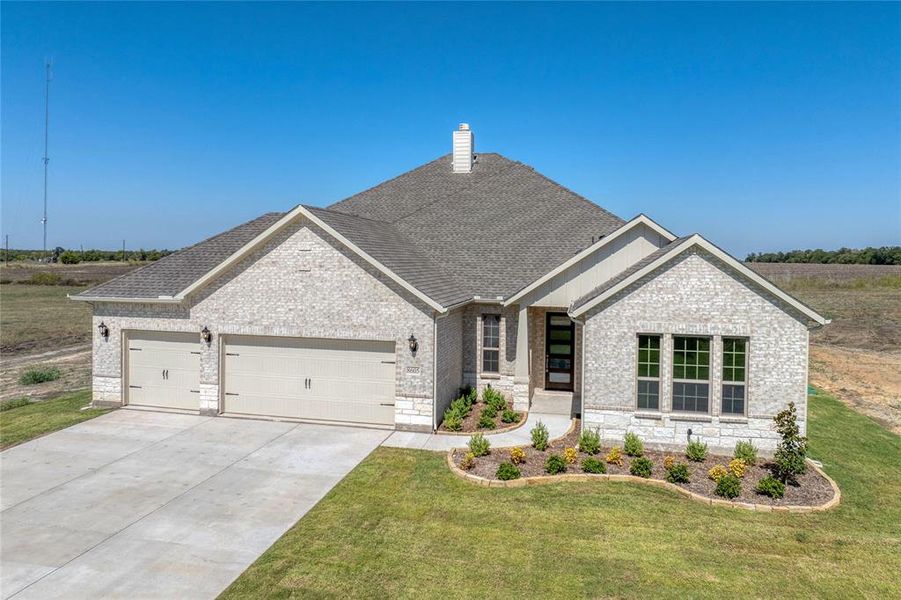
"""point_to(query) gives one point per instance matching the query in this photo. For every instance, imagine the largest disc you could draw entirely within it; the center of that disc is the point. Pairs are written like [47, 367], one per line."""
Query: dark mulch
[471, 422]
[812, 489]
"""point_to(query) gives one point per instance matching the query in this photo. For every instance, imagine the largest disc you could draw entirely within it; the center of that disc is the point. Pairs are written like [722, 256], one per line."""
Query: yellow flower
[717, 473]
[569, 455]
[517, 455]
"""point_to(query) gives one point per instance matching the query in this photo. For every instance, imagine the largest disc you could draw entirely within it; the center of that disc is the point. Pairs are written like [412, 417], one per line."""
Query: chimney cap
[464, 126]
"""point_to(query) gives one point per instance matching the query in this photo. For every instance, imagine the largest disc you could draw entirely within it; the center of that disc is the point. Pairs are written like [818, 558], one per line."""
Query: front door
[560, 341]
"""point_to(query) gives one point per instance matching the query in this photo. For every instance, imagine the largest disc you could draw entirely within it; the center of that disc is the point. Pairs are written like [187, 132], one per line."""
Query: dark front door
[560, 343]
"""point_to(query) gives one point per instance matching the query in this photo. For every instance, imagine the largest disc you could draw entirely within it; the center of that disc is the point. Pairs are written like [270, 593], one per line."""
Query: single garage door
[306, 378]
[164, 369]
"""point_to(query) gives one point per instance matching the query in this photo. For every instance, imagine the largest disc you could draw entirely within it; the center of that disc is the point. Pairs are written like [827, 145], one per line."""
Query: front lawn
[32, 419]
[402, 525]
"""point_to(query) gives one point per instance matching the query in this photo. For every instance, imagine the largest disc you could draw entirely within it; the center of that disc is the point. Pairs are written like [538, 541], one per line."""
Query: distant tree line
[73, 257]
[886, 255]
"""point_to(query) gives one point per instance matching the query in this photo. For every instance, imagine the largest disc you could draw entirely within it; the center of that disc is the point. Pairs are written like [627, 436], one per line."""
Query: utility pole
[123, 250]
[7, 250]
[49, 66]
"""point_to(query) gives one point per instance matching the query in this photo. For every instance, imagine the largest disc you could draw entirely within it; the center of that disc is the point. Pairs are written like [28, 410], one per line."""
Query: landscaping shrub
[506, 472]
[632, 445]
[696, 451]
[490, 411]
[593, 465]
[15, 403]
[517, 455]
[614, 457]
[494, 399]
[479, 445]
[461, 406]
[590, 441]
[555, 464]
[717, 472]
[570, 456]
[510, 416]
[641, 467]
[729, 486]
[539, 436]
[468, 462]
[677, 473]
[746, 451]
[668, 462]
[485, 421]
[452, 420]
[770, 486]
[39, 375]
[737, 467]
[792, 450]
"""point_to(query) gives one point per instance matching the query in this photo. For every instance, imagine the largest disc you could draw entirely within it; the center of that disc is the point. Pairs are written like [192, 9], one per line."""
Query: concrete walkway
[138, 504]
[557, 426]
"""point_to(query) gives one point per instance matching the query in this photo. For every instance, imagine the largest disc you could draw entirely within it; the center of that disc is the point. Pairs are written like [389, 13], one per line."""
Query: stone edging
[487, 432]
[548, 479]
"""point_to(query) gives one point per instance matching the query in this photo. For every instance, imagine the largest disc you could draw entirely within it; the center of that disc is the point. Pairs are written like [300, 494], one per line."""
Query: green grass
[401, 525]
[36, 375]
[28, 421]
[40, 317]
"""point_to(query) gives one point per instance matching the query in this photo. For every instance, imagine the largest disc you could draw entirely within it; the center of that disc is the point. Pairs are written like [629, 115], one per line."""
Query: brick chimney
[463, 147]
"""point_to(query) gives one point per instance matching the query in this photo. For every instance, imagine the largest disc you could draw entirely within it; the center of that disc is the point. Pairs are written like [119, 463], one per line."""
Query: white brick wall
[450, 360]
[302, 283]
[693, 295]
[472, 347]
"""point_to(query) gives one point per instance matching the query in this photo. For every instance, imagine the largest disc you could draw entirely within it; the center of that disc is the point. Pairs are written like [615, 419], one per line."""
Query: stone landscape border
[548, 479]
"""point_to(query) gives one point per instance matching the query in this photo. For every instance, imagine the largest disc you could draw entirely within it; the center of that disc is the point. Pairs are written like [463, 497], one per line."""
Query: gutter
[157, 300]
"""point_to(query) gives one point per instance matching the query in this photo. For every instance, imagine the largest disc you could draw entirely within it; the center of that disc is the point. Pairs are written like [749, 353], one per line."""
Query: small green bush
[632, 445]
[678, 473]
[479, 445]
[70, 258]
[593, 465]
[510, 416]
[494, 399]
[462, 406]
[486, 422]
[45, 278]
[507, 471]
[696, 451]
[770, 486]
[641, 467]
[792, 450]
[746, 451]
[540, 436]
[590, 441]
[490, 411]
[39, 375]
[15, 403]
[452, 420]
[555, 464]
[729, 486]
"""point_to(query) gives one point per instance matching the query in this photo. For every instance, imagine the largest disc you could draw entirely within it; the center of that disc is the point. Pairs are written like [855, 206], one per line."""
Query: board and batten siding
[694, 294]
[301, 283]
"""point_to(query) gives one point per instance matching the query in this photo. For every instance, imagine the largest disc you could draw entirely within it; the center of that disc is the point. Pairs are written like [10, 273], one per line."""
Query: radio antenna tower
[49, 65]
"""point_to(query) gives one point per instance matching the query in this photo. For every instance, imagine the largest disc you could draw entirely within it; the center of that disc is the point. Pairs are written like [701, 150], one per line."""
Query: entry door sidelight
[560, 340]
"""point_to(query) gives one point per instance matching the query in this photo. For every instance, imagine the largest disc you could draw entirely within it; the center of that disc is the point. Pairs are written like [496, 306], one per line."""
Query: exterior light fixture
[206, 335]
[413, 342]
[104, 330]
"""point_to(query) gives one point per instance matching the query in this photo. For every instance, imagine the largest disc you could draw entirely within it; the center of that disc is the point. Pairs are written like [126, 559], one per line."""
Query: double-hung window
[649, 372]
[491, 343]
[735, 373]
[691, 374]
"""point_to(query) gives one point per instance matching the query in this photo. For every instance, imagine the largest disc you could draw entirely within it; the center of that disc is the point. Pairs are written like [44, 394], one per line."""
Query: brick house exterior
[454, 273]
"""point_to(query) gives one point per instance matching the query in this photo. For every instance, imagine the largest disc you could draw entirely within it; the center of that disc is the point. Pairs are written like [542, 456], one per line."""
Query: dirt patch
[812, 489]
[74, 365]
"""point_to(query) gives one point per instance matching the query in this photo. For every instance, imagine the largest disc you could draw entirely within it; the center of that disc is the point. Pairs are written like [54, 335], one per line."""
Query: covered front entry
[163, 369]
[559, 352]
[309, 378]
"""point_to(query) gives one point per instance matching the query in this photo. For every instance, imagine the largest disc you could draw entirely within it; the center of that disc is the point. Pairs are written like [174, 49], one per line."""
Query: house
[471, 269]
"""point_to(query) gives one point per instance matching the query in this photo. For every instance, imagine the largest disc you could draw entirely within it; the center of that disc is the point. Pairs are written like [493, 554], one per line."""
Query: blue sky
[762, 126]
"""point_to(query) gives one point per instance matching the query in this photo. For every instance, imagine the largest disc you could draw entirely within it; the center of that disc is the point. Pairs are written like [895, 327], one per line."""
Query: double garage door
[300, 378]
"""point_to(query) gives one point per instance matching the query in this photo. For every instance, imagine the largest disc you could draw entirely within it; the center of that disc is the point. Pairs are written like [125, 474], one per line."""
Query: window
[735, 372]
[691, 372]
[491, 343]
[649, 372]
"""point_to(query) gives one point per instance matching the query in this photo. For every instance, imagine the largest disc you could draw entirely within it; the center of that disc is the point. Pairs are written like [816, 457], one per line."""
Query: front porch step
[553, 403]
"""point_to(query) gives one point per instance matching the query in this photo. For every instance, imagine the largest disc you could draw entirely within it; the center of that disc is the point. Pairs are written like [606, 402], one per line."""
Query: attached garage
[163, 369]
[309, 378]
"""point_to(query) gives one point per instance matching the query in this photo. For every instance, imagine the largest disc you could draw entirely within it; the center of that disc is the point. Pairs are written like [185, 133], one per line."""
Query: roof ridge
[344, 214]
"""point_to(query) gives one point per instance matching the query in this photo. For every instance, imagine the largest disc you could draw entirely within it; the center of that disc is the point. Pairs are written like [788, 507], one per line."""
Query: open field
[84, 274]
[38, 318]
[402, 526]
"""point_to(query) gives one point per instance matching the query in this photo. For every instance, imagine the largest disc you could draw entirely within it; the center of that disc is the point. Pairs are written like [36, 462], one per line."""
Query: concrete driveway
[138, 504]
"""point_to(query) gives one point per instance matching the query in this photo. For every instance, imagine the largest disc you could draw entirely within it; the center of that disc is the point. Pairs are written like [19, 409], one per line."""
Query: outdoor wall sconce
[413, 342]
[206, 335]
[104, 330]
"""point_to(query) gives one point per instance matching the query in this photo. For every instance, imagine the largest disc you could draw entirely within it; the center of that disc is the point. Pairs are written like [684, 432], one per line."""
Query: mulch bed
[812, 489]
[471, 422]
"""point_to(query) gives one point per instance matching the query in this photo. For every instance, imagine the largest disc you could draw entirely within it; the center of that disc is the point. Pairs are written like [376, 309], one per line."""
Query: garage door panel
[311, 378]
[164, 370]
